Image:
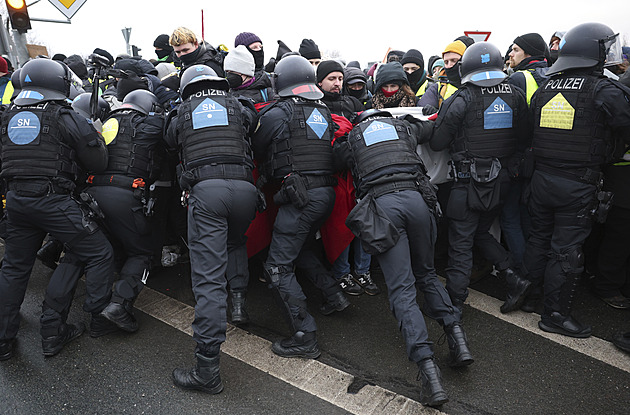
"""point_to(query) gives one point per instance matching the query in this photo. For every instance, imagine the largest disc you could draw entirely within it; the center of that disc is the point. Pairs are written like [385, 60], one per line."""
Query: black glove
[429, 109]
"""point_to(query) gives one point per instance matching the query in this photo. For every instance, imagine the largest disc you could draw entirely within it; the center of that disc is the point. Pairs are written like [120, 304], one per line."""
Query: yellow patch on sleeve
[110, 130]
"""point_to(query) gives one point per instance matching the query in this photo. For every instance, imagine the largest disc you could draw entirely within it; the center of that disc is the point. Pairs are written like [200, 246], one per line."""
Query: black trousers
[29, 220]
[560, 223]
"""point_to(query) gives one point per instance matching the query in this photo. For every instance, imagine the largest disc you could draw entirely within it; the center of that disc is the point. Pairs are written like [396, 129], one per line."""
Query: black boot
[299, 345]
[6, 349]
[50, 253]
[517, 289]
[121, 315]
[336, 302]
[204, 377]
[565, 325]
[100, 326]
[53, 344]
[433, 393]
[458, 346]
[238, 310]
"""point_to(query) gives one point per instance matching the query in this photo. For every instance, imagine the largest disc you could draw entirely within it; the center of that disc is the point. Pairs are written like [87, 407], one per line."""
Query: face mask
[259, 57]
[453, 75]
[415, 77]
[553, 55]
[161, 54]
[235, 80]
[358, 94]
[190, 58]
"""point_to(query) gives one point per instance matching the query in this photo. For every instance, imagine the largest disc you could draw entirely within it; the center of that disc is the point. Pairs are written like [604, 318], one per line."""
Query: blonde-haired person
[191, 52]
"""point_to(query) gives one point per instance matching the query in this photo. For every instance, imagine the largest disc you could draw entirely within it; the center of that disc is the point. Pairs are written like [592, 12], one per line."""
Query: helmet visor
[612, 46]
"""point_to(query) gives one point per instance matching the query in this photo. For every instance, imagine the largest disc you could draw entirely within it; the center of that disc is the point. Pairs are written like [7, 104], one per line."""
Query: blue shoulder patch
[497, 115]
[378, 131]
[318, 123]
[209, 113]
[23, 128]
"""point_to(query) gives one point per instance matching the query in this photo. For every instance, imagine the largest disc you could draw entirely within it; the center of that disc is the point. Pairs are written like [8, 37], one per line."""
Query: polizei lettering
[565, 83]
[209, 93]
[497, 89]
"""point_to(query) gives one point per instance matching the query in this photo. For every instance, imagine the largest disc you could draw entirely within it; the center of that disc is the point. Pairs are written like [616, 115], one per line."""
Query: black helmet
[141, 100]
[372, 112]
[482, 65]
[43, 80]
[294, 76]
[585, 46]
[15, 81]
[82, 105]
[201, 73]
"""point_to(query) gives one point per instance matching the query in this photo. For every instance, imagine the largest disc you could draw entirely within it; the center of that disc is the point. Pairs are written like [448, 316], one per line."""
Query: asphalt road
[363, 369]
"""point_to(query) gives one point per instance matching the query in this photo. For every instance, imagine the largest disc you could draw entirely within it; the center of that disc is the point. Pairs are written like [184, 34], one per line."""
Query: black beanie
[105, 54]
[326, 67]
[413, 56]
[466, 40]
[532, 43]
[162, 43]
[282, 49]
[391, 73]
[309, 49]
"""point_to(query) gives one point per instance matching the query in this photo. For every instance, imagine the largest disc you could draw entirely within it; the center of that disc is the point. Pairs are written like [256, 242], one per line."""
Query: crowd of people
[114, 166]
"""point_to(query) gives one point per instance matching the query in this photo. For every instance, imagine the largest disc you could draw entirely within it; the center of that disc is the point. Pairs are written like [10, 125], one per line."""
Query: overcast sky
[358, 30]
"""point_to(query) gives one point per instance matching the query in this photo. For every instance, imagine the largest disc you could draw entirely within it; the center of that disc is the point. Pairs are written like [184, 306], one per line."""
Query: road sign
[478, 36]
[68, 7]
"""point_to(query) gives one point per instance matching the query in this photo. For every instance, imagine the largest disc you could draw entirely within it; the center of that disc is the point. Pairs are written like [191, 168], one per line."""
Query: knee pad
[573, 261]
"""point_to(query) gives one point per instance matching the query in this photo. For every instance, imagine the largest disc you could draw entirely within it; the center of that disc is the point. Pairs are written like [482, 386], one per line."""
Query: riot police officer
[293, 142]
[381, 151]
[133, 134]
[485, 125]
[44, 143]
[579, 117]
[211, 129]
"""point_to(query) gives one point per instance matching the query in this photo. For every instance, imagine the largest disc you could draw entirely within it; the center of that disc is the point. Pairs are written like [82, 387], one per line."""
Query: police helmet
[15, 81]
[372, 112]
[482, 65]
[587, 45]
[43, 80]
[201, 73]
[82, 105]
[294, 76]
[141, 100]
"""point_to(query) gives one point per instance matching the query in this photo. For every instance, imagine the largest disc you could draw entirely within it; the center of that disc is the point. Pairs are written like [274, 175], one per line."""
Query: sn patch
[377, 132]
[209, 113]
[318, 123]
[23, 128]
[497, 115]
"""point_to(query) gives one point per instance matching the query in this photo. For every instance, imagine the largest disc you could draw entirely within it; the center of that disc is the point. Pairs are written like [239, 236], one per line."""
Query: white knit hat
[239, 60]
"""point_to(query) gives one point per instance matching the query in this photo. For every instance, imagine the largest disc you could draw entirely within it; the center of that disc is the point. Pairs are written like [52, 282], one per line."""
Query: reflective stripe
[530, 85]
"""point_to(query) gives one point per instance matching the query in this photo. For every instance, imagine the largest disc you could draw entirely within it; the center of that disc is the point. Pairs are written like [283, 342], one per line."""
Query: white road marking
[312, 376]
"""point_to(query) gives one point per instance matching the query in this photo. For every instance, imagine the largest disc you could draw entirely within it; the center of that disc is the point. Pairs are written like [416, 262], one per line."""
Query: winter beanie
[4, 66]
[413, 56]
[309, 49]
[456, 47]
[282, 49]
[162, 43]
[246, 39]
[390, 73]
[532, 43]
[326, 67]
[239, 60]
